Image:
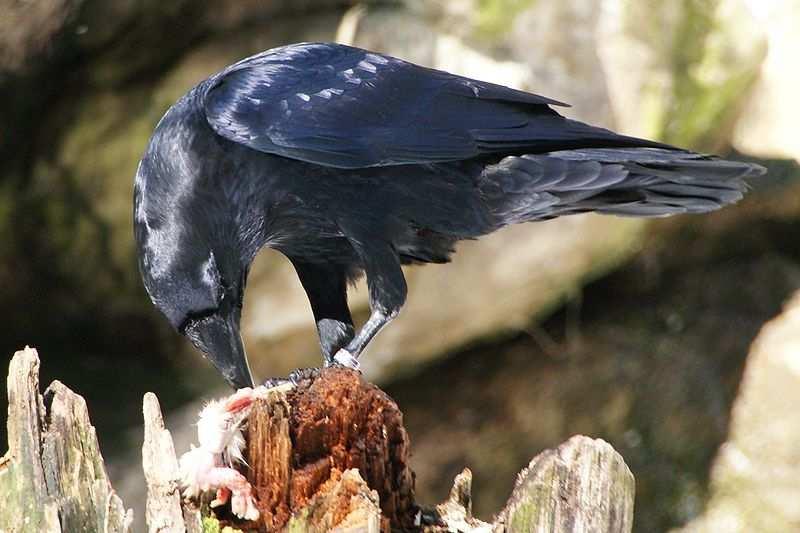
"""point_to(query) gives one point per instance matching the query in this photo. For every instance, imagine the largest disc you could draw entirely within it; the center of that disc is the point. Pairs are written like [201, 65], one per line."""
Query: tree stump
[53, 477]
[304, 441]
[583, 485]
[330, 454]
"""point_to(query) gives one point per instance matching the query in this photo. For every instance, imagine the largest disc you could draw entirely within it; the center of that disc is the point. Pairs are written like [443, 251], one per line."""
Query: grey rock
[769, 119]
[565, 63]
[754, 479]
[679, 71]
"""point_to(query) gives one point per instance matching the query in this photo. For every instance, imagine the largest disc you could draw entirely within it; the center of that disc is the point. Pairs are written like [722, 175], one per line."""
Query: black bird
[350, 162]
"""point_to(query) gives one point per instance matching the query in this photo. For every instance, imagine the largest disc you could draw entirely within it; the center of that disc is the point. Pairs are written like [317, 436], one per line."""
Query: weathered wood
[583, 485]
[22, 485]
[455, 513]
[338, 422]
[269, 454]
[343, 504]
[330, 454]
[53, 477]
[165, 511]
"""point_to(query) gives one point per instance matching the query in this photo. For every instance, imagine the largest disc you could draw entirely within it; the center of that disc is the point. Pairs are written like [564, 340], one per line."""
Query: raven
[351, 162]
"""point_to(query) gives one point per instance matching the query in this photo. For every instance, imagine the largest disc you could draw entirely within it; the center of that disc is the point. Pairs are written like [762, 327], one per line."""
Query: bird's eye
[222, 289]
[194, 318]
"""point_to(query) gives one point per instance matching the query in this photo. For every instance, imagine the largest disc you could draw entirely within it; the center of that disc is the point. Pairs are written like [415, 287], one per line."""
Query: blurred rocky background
[635, 332]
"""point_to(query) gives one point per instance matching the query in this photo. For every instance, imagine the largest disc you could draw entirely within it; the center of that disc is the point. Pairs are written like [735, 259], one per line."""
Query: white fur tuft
[210, 466]
[195, 466]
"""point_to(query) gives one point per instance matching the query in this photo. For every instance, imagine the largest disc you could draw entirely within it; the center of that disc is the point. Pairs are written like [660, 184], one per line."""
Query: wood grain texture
[165, 512]
[53, 477]
[269, 454]
[581, 486]
[301, 445]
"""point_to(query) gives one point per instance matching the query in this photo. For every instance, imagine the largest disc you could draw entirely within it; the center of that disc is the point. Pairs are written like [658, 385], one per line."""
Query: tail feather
[640, 182]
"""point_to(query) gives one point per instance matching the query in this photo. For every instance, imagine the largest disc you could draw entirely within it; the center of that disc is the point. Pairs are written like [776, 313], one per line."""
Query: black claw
[275, 382]
[303, 374]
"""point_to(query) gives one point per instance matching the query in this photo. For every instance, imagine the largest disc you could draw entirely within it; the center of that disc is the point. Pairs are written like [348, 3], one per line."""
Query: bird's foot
[294, 378]
[271, 383]
[303, 374]
[346, 359]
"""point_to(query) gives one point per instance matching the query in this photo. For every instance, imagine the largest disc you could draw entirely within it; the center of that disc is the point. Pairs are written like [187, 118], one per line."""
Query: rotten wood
[300, 441]
[269, 454]
[344, 503]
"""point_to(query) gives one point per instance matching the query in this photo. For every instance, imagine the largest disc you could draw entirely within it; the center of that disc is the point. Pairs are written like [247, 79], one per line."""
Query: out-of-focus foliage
[710, 52]
[494, 17]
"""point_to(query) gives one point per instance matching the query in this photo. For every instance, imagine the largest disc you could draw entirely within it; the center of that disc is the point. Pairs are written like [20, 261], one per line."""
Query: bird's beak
[219, 338]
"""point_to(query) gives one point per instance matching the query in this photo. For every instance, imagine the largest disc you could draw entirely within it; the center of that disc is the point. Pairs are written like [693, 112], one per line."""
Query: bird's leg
[326, 287]
[348, 357]
[387, 293]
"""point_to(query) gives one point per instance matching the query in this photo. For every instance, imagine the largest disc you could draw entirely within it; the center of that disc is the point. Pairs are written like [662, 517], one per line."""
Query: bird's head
[201, 297]
[191, 258]
[193, 277]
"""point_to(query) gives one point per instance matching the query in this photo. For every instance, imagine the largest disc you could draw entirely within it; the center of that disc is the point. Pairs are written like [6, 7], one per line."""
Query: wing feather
[340, 106]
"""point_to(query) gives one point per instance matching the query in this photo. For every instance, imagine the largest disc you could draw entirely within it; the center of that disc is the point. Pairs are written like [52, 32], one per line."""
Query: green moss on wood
[212, 525]
[298, 523]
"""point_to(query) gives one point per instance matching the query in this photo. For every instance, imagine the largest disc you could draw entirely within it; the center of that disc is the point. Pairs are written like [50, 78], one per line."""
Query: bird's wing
[340, 106]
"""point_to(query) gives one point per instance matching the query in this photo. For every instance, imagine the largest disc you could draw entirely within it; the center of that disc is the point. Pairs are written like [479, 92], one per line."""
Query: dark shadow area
[111, 360]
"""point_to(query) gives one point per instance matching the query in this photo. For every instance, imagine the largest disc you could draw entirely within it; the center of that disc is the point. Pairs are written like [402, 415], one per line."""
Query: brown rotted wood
[300, 444]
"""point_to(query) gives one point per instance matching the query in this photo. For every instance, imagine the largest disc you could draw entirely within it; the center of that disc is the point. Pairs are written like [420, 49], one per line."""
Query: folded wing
[340, 106]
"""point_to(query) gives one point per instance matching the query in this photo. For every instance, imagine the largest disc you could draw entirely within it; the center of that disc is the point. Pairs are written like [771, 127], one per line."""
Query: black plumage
[352, 162]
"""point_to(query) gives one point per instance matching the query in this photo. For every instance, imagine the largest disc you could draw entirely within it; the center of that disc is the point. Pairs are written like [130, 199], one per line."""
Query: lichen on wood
[583, 485]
